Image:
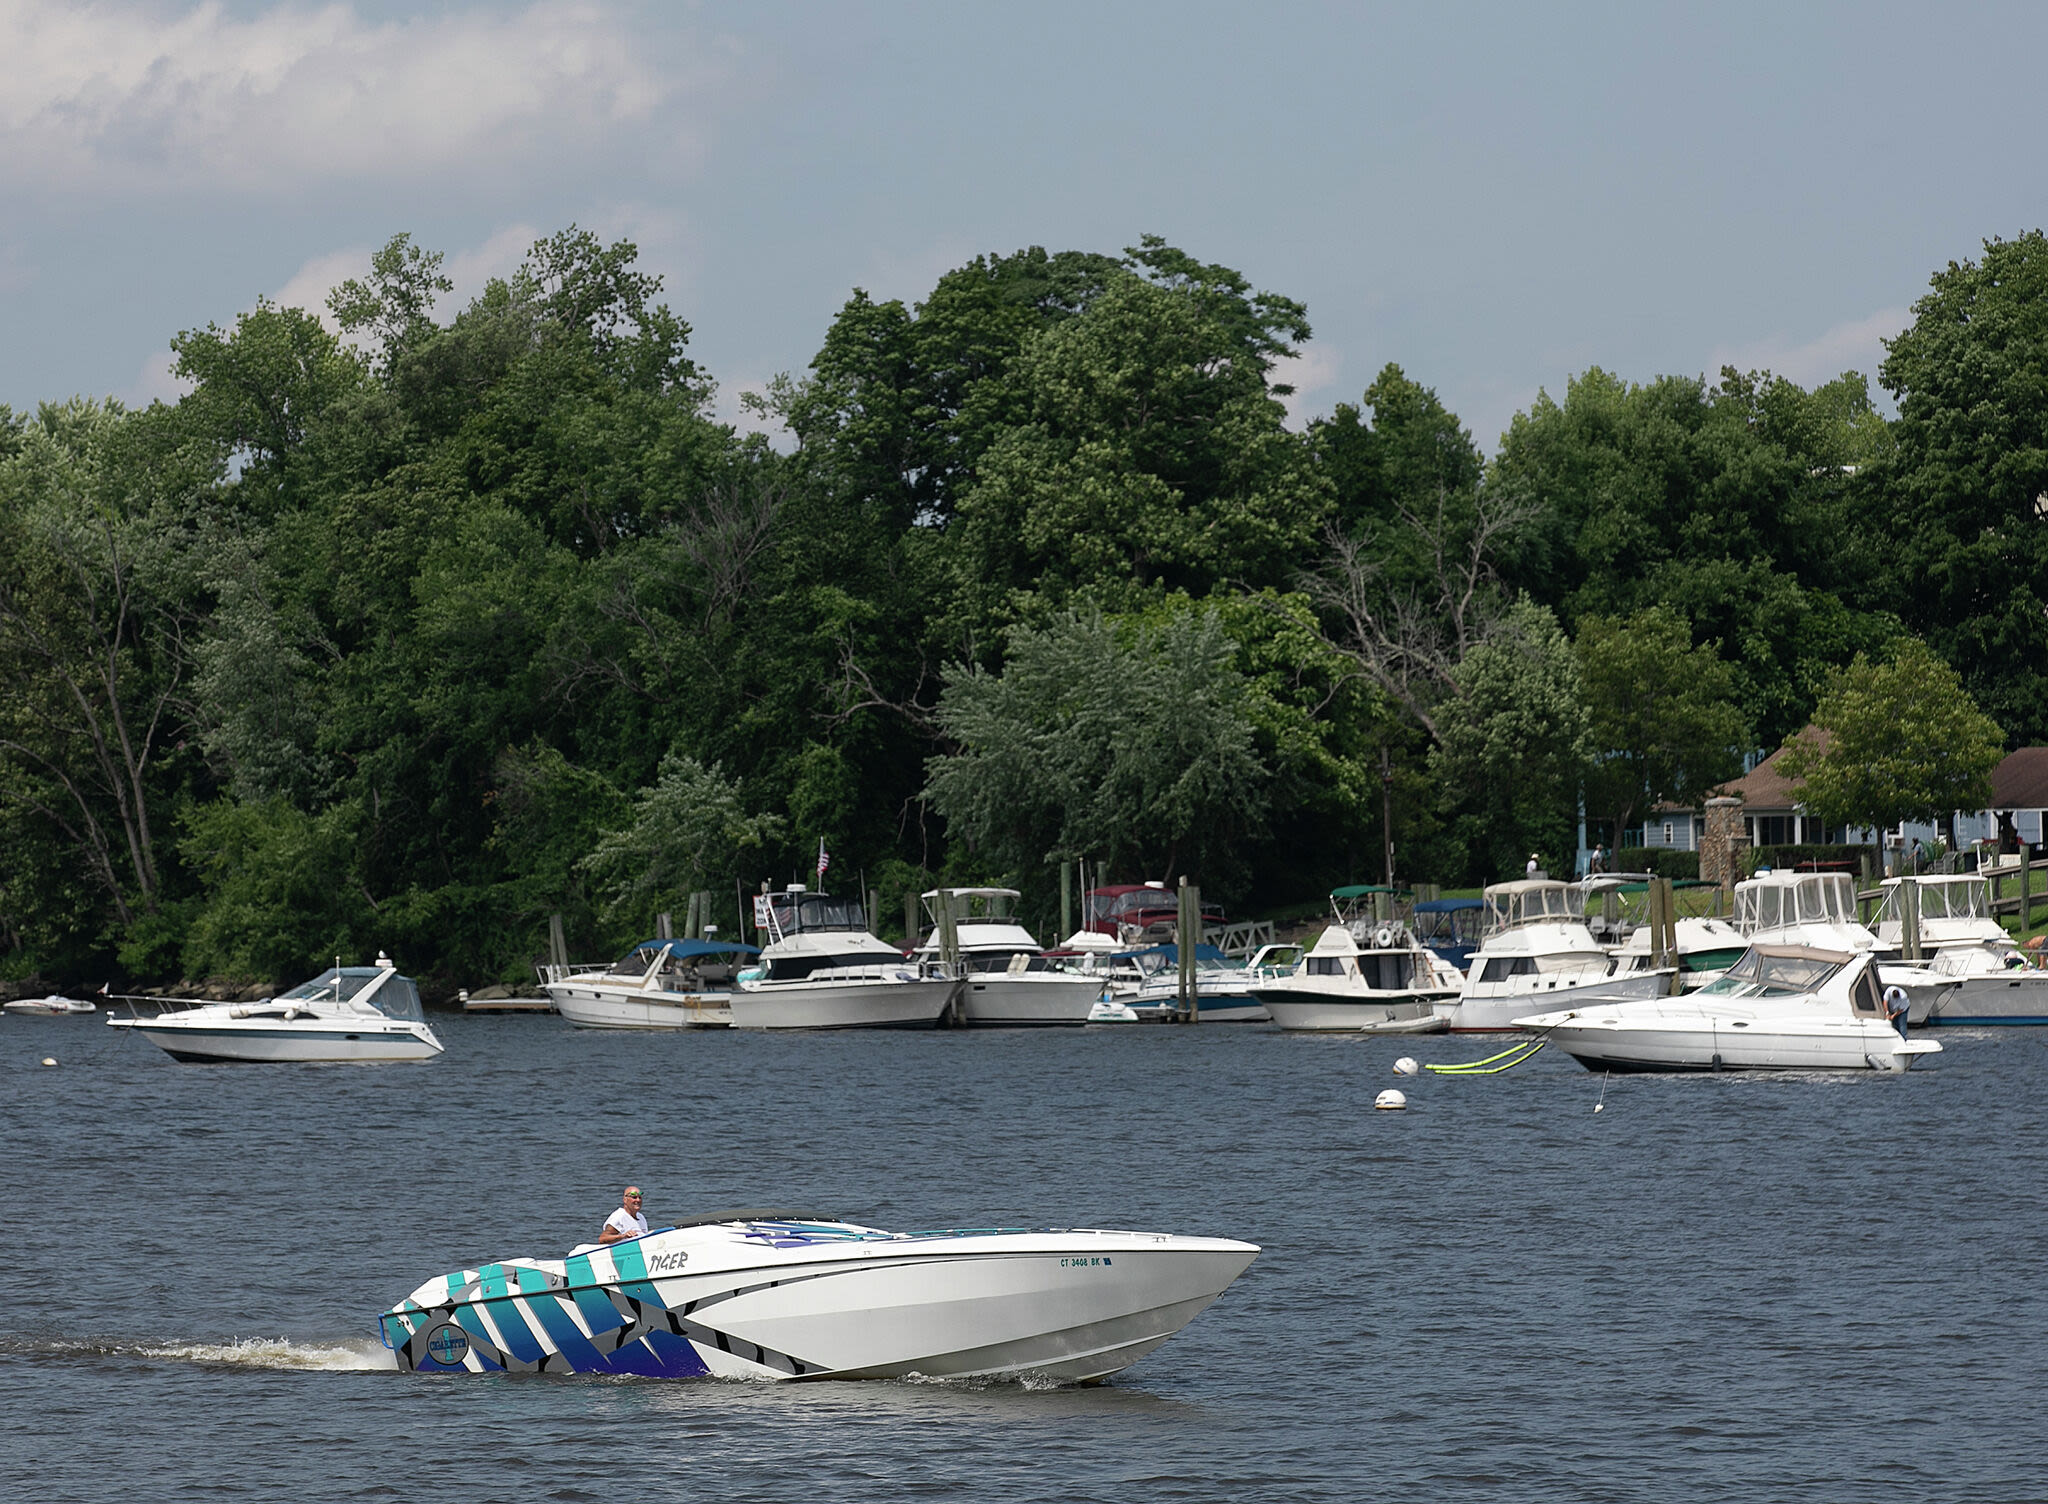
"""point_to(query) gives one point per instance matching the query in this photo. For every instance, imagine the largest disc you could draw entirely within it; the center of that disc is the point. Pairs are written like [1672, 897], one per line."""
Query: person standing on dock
[628, 1221]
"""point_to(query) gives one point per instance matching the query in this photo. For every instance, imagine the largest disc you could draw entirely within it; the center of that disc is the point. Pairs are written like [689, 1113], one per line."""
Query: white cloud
[309, 286]
[155, 382]
[141, 95]
[1311, 370]
[1854, 346]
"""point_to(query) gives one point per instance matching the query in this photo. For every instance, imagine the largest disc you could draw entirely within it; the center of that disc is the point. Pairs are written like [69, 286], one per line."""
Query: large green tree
[1905, 741]
[1736, 505]
[1968, 488]
[1124, 741]
[1514, 743]
[1662, 722]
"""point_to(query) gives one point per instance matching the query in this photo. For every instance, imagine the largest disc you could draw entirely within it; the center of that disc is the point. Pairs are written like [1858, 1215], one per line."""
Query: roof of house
[1766, 786]
[2021, 780]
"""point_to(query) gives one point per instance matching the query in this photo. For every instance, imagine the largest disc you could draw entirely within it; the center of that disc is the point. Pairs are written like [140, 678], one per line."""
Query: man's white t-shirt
[627, 1224]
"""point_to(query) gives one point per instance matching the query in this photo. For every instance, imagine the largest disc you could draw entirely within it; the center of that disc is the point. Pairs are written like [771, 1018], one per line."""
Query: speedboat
[1536, 950]
[659, 984]
[53, 1005]
[821, 969]
[1005, 978]
[1819, 909]
[347, 1013]
[1780, 1007]
[1223, 992]
[784, 1295]
[1996, 983]
[1341, 987]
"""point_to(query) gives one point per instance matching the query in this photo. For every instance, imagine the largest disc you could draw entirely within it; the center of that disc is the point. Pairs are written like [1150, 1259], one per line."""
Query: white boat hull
[841, 1005]
[1299, 1009]
[2008, 997]
[817, 1301]
[995, 1000]
[591, 1006]
[1680, 1040]
[274, 1042]
[1493, 1007]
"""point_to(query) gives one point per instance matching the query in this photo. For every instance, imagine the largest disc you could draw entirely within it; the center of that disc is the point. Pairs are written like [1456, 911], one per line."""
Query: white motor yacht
[1342, 987]
[1780, 1007]
[821, 969]
[1996, 983]
[1819, 909]
[780, 1295]
[1536, 951]
[366, 1014]
[659, 984]
[1006, 980]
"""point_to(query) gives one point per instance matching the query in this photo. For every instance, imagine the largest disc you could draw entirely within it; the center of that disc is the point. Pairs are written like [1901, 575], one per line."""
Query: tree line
[413, 634]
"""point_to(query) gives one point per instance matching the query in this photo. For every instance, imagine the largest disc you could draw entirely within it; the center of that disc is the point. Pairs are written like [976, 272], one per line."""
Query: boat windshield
[807, 913]
[394, 997]
[1762, 973]
[1514, 904]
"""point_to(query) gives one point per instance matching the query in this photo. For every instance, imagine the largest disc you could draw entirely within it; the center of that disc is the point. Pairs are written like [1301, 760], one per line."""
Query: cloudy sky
[1493, 196]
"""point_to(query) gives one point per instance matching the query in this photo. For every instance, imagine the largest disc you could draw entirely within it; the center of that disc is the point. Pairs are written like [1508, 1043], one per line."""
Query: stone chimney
[1723, 842]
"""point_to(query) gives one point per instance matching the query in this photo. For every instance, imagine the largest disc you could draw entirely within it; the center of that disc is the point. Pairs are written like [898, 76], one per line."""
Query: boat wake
[243, 1352]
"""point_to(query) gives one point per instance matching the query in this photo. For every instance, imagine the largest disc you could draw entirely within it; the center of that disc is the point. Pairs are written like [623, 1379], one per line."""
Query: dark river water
[1717, 1288]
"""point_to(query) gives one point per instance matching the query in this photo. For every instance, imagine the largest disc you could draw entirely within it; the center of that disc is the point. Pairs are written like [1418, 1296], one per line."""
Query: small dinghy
[782, 1295]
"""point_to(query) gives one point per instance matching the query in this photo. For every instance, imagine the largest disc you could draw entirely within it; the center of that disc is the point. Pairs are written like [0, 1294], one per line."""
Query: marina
[267, 1266]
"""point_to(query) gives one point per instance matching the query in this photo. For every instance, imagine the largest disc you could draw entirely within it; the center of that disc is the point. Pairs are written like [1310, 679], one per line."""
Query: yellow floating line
[1521, 1052]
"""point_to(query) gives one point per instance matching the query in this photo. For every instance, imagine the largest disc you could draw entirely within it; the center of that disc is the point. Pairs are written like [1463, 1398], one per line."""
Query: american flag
[824, 861]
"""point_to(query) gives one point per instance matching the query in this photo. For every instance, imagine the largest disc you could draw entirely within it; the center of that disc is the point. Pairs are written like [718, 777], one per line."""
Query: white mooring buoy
[1390, 1100]
[1406, 1066]
[49, 1060]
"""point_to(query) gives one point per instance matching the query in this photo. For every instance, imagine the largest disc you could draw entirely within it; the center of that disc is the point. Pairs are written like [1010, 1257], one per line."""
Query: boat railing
[549, 971]
[1241, 939]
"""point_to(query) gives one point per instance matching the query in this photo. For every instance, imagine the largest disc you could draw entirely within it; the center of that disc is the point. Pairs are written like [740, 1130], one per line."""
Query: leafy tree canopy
[1904, 742]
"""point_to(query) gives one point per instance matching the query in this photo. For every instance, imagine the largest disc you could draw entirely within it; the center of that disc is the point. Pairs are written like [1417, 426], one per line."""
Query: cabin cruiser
[821, 969]
[1342, 987]
[1958, 938]
[53, 1005]
[659, 984]
[1819, 909]
[1005, 978]
[1780, 1007]
[784, 1295]
[347, 1013]
[1535, 950]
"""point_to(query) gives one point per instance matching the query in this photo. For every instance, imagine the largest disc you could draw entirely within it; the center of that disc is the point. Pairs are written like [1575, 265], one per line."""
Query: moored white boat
[1341, 987]
[1996, 981]
[1005, 979]
[781, 1295]
[821, 969]
[361, 1014]
[659, 984]
[1819, 909]
[1536, 952]
[1780, 1007]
